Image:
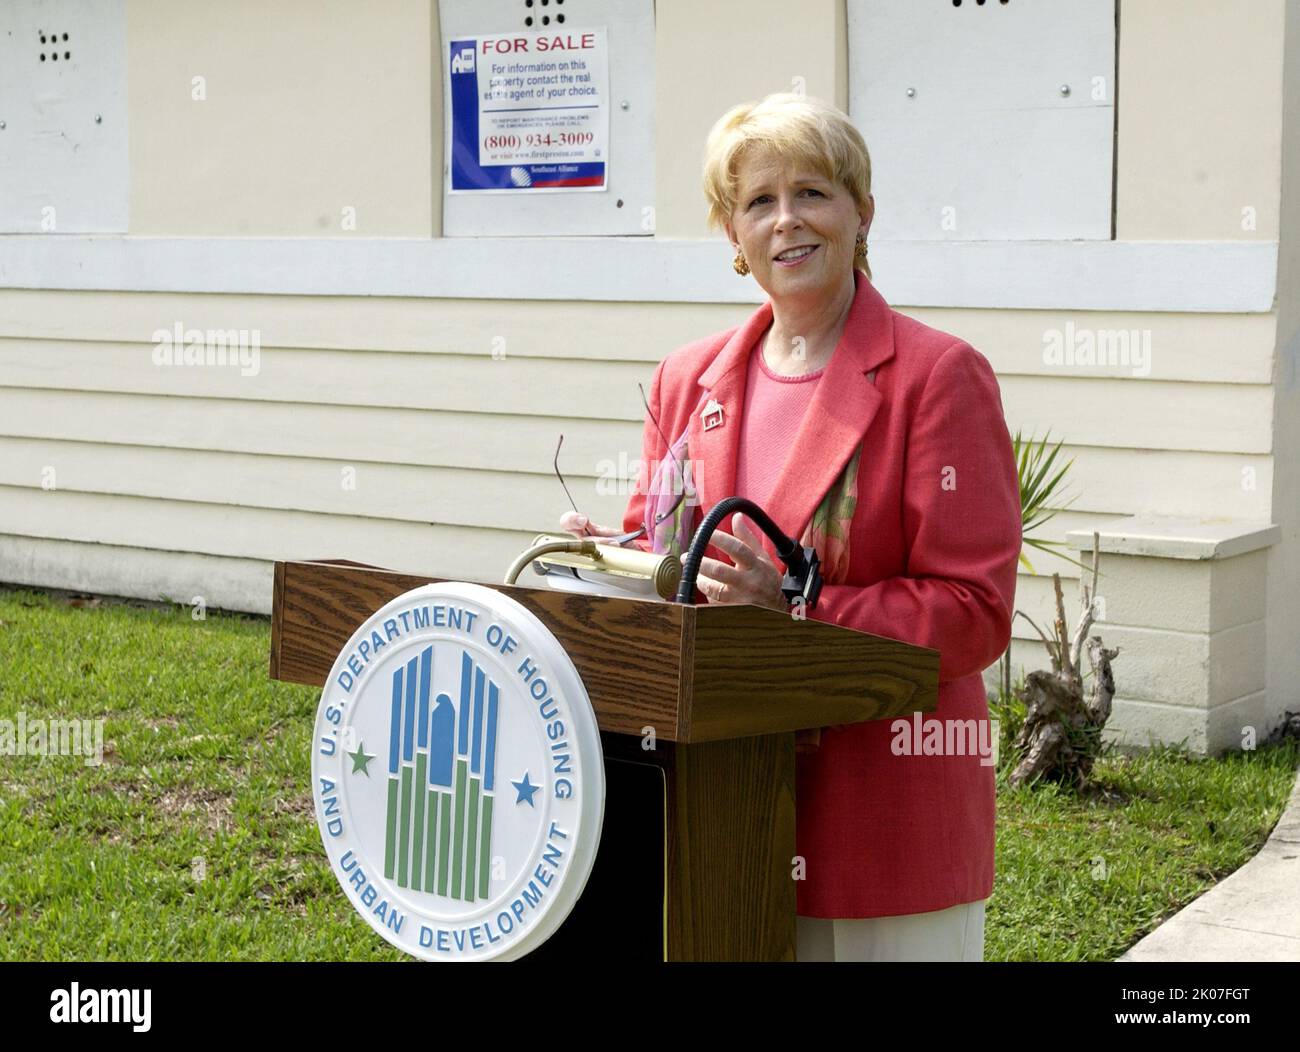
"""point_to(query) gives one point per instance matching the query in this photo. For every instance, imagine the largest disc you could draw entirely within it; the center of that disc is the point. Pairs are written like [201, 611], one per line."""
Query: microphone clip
[803, 578]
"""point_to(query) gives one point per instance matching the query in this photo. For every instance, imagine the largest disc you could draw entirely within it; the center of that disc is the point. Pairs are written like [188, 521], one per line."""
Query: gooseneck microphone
[803, 579]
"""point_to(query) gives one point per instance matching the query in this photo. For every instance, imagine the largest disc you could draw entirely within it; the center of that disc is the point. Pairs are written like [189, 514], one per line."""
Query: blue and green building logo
[441, 781]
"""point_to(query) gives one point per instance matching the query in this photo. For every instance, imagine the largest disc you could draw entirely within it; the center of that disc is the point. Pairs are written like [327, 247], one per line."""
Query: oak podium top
[692, 673]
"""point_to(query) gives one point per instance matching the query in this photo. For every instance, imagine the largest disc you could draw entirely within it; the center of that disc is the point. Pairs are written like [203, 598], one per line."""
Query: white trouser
[954, 934]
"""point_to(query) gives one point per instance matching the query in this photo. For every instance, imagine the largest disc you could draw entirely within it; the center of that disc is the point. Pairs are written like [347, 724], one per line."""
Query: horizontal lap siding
[1200, 348]
[370, 490]
[1214, 348]
[258, 533]
[1114, 481]
[452, 449]
[451, 382]
[600, 331]
[348, 434]
[1126, 413]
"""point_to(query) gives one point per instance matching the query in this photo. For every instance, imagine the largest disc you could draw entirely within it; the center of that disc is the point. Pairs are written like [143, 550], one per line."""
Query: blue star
[526, 790]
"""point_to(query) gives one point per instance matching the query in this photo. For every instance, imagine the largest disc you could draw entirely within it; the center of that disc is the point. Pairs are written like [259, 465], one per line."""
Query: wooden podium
[697, 707]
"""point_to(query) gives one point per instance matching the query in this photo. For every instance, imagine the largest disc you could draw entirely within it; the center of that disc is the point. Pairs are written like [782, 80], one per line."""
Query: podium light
[580, 564]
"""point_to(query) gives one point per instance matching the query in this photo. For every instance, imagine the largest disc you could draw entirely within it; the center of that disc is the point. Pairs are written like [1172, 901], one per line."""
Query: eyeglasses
[667, 513]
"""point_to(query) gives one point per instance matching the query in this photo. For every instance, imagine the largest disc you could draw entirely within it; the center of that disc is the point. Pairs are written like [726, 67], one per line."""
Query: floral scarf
[827, 531]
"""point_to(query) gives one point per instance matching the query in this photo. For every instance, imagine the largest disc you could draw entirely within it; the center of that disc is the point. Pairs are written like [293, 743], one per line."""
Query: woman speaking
[880, 442]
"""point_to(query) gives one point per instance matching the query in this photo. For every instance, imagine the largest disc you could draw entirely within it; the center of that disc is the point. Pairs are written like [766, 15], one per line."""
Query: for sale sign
[529, 112]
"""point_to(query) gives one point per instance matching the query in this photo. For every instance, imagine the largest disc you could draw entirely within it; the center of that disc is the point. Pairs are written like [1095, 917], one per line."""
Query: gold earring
[740, 264]
[860, 252]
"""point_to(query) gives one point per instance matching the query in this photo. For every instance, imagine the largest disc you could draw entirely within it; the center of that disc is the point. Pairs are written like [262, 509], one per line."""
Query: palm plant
[1038, 486]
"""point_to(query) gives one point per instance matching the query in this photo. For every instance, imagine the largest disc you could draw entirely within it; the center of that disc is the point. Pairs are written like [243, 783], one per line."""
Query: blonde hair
[798, 130]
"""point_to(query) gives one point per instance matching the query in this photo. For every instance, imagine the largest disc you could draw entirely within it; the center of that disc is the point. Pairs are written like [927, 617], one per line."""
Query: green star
[360, 758]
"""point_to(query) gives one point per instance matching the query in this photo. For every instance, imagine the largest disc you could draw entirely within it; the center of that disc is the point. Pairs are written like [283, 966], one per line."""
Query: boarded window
[63, 145]
[986, 119]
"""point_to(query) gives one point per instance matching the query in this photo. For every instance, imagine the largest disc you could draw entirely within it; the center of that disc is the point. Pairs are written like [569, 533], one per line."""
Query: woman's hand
[755, 577]
[572, 522]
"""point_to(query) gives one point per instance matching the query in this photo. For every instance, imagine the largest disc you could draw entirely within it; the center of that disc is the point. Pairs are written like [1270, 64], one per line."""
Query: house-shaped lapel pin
[712, 414]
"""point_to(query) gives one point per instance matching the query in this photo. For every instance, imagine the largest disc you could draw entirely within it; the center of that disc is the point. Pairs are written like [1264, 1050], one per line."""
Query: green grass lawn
[195, 839]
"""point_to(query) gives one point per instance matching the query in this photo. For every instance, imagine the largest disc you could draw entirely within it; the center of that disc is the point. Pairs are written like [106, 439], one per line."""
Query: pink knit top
[769, 421]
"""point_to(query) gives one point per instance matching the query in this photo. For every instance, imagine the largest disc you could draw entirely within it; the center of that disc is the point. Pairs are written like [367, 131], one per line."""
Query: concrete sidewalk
[1253, 915]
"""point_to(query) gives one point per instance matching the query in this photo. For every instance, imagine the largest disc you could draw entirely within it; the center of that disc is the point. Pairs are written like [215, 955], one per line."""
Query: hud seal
[457, 775]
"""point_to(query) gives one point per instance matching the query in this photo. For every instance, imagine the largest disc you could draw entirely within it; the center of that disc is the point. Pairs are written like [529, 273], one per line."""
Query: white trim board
[1196, 276]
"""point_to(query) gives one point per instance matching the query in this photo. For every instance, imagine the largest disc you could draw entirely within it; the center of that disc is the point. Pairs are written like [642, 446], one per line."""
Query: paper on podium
[594, 582]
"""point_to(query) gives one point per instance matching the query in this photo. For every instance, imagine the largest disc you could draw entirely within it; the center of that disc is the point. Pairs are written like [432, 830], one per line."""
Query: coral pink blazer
[934, 544]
